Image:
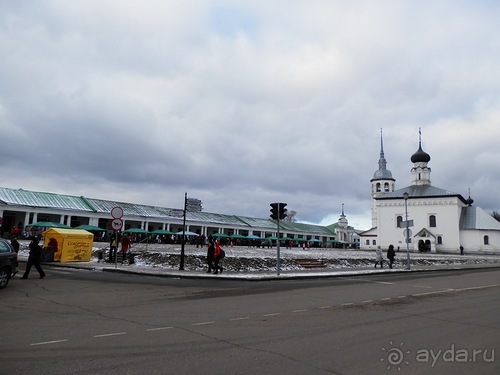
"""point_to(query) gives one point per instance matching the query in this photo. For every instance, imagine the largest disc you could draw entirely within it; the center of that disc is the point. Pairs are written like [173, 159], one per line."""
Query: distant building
[441, 219]
[19, 208]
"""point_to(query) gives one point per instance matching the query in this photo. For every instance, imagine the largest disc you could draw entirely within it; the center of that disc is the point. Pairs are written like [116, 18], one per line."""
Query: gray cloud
[244, 104]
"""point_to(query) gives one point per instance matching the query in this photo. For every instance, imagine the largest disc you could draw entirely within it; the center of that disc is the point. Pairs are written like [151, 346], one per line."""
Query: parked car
[8, 263]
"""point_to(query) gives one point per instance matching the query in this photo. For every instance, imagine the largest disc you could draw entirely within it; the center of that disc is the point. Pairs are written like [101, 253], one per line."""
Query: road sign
[403, 224]
[407, 234]
[117, 224]
[117, 212]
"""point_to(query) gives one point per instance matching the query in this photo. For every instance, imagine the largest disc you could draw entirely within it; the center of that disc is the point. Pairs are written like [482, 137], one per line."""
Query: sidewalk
[257, 275]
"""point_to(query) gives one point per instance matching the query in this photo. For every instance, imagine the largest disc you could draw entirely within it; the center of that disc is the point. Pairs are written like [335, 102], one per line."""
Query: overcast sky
[244, 103]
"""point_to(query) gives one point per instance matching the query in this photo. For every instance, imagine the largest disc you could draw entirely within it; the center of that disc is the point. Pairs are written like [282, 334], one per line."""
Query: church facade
[438, 220]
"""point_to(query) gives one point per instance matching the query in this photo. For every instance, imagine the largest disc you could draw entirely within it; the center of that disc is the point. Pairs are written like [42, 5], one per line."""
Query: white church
[439, 220]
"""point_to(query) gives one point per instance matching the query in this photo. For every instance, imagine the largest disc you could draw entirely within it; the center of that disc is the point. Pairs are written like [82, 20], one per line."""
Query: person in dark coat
[34, 259]
[390, 255]
[15, 243]
[210, 256]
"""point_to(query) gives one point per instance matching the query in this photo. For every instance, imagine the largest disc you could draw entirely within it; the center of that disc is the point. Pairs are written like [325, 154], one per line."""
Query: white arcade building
[442, 220]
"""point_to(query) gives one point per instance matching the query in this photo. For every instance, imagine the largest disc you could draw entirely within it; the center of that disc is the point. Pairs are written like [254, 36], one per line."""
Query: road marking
[431, 293]
[402, 296]
[272, 314]
[48, 342]
[324, 307]
[111, 334]
[422, 286]
[241, 318]
[348, 304]
[158, 329]
[202, 323]
[367, 301]
[298, 311]
[385, 299]
[477, 287]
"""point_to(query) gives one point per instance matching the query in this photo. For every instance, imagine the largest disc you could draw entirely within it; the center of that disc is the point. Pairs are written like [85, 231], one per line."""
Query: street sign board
[403, 224]
[117, 224]
[117, 212]
[407, 234]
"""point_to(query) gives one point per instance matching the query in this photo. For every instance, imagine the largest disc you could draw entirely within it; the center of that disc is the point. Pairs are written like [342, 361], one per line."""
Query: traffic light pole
[278, 257]
[278, 212]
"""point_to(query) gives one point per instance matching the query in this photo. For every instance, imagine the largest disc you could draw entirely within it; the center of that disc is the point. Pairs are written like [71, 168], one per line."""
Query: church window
[399, 220]
[386, 187]
[378, 187]
[374, 242]
[368, 242]
[486, 240]
[439, 240]
[432, 221]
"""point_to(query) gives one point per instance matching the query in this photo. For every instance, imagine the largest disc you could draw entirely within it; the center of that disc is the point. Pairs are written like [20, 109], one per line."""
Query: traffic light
[274, 211]
[282, 211]
[278, 211]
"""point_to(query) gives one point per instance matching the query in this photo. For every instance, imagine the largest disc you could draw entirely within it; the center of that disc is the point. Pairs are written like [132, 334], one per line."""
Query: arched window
[374, 242]
[378, 187]
[399, 219]
[486, 240]
[386, 187]
[432, 221]
[439, 240]
[368, 242]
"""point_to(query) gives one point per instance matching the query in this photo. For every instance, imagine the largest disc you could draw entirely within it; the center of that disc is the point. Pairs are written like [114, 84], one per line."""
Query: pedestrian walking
[112, 247]
[34, 258]
[15, 243]
[379, 257]
[391, 254]
[210, 256]
[126, 243]
[461, 250]
[217, 258]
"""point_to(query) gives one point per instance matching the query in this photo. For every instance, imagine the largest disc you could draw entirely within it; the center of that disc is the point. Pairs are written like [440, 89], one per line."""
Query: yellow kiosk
[68, 245]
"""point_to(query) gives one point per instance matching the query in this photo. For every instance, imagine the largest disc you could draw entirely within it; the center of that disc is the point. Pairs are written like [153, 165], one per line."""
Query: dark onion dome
[469, 201]
[420, 156]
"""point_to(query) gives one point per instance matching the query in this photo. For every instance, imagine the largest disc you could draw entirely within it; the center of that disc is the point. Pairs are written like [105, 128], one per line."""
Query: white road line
[202, 323]
[477, 287]
[111, 334]
[422, 286]
[348, 304]
[402, 296]
[298, 311]
[385, 299]
[158, 329]
[272, 314]
[431, 293]
[324, 307]
[48, 342]
[367, 301]
[241, 318]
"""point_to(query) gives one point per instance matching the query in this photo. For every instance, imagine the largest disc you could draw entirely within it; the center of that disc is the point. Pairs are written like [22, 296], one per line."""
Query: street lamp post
[405, 196]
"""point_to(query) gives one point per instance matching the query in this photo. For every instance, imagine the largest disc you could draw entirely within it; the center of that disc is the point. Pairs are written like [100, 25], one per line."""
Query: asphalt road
[88, 322]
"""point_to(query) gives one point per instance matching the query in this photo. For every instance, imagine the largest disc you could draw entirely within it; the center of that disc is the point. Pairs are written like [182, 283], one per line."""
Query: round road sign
[117, 224]
[117, 212]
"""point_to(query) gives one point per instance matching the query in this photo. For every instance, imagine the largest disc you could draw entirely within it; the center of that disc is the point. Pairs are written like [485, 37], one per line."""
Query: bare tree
[496, 215]
[290, 216]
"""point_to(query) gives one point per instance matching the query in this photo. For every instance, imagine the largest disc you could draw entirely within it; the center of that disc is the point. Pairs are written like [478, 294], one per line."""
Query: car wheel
[4, 277]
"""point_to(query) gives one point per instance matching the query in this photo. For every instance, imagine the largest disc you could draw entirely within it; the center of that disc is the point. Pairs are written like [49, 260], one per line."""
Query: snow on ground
[253, 259]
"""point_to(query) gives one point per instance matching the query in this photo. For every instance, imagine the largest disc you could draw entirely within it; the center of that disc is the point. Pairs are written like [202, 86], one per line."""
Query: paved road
[83, 322]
